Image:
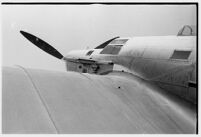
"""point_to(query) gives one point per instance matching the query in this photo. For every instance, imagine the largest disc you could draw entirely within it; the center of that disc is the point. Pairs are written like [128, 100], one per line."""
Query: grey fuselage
[168, 61]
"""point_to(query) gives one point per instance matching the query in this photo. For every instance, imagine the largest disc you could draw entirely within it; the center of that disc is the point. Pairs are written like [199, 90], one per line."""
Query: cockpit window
[89, 52]
[188, 31]
[179, 54]
[103, 45]
[111, 49]
[119, 41]
[114, 46]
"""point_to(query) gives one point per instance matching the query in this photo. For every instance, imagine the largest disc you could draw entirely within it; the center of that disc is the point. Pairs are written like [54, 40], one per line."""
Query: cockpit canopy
[114, 46]
[187, 30]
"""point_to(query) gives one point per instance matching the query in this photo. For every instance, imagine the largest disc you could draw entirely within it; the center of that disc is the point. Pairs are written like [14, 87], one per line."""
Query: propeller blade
[101, 46]
[42, 45]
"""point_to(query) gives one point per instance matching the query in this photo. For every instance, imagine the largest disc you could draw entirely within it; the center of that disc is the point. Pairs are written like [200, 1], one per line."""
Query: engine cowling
[89, 66]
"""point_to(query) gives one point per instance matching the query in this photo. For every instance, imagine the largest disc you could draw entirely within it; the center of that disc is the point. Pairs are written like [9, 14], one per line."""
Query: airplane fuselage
[168, 61]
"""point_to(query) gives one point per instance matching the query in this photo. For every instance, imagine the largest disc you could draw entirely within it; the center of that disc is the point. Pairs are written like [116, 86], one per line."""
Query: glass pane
[111, 49]
[180, 54]
[119, 41]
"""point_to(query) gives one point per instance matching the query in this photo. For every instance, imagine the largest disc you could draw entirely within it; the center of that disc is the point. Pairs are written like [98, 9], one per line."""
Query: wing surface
[40, 101]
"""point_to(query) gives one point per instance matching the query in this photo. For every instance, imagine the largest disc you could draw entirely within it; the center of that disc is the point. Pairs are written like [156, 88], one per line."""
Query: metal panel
[22, 109]
[84, 103]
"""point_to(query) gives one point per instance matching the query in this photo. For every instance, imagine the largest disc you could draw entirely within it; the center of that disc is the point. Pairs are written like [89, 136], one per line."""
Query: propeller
[42, 45]
[51, 50]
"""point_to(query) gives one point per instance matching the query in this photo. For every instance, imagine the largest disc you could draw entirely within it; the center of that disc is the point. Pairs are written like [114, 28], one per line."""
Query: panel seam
[40, 97]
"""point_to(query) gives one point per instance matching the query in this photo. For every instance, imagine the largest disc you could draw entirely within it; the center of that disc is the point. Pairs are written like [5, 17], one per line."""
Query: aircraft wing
[40, 101]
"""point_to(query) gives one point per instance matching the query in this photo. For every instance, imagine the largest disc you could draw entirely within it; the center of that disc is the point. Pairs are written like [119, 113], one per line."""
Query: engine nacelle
[92, 68]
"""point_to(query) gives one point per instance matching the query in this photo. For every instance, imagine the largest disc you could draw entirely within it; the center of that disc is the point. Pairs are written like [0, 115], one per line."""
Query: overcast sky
[72, 27]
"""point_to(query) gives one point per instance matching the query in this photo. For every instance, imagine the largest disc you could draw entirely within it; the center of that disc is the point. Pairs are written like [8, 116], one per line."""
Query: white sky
[71, 27]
